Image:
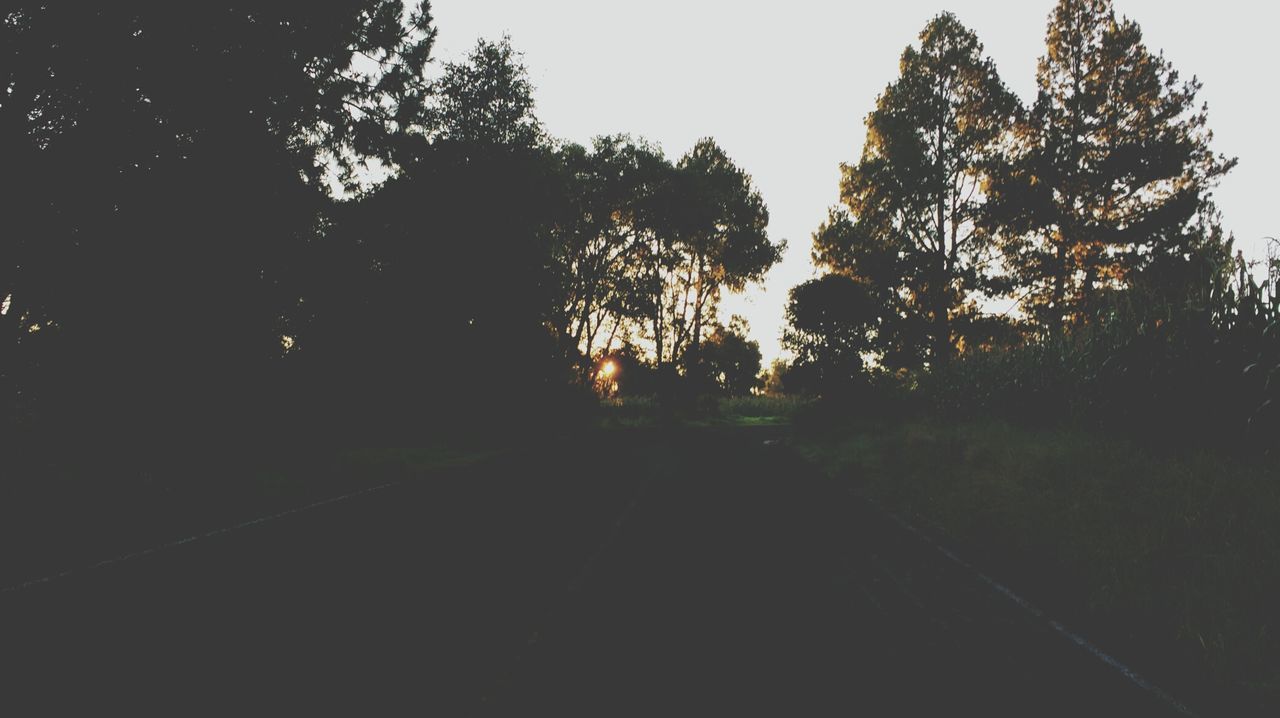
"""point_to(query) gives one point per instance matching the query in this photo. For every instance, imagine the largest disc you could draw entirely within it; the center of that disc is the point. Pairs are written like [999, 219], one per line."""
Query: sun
[608, 369]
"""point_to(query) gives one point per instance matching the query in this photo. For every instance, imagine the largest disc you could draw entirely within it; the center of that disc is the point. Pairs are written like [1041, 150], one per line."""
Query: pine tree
[914, 200]
[1108, 169]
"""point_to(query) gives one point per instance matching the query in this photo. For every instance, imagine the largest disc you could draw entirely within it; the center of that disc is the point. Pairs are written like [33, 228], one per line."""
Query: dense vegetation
[251, 222]
[243, 222]
[1033, 336]
[1060, 261]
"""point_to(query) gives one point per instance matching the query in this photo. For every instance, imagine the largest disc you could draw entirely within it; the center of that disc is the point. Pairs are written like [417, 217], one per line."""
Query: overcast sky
[784, 88]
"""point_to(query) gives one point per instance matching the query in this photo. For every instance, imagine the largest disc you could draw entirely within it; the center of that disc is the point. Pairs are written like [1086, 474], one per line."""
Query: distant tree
[775, 380]
[634, 374]
[646, 248]
[604, 228]
[911, 232]
[706, 231]
[721, 223]
[1110, 167]
[729, 360]
[832, 325]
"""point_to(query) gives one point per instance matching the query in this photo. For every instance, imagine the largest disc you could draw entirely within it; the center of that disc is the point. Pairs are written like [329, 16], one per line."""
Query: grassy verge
[638, 412]
[81, 507]
[1181, 548]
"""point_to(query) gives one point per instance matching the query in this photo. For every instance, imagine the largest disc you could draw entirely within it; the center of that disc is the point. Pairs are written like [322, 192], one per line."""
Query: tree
[604, 228]
[173, 162]
[721, 224]
[832, 325]
[777, 380]
[707, 232]
[487, 100]
[647, 248]
[1110, 167]
[448, 290]
[730, 360]
[911, 233]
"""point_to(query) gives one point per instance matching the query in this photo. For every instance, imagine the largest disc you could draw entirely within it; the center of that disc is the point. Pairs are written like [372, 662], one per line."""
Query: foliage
[1174, 546]
[832, 323]
[1166, 362]
[910, 232]
[710, 235]
[443, 302]
[774, 379]
[1091, 211]
[175, 161]
[728, 360]
[612, 195]
[631, 412]
[487, 100]
[1109, 167]
[645, 248]
[635, 375]
[272, 221]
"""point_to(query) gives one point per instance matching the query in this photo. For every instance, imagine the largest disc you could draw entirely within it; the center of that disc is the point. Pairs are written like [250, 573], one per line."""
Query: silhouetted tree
[173, 161]
[647, 248]
[608, 221]
[911, 233]
[729, 360]
[442, 318]
[721, 222]
[487, 100]
[832, 324]
[777, 379]
[1110, 168]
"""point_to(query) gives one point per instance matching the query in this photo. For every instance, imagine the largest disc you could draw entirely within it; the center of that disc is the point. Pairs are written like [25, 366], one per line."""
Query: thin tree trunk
[700, 298]
[1059, 287]
[657, 302]
[608, 345]
[941, 308]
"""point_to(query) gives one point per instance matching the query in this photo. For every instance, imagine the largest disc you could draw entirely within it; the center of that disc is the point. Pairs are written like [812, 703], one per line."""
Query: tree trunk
[941, 303]
[657, 302]
[1059, 287]
[697, 313]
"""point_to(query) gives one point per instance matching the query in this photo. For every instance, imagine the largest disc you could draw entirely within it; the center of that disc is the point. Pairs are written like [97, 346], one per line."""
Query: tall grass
[1185, 544]
[639, 411]
[1205, 371]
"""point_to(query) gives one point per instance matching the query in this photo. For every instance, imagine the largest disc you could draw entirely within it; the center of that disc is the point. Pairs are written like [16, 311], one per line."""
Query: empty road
[696, 573]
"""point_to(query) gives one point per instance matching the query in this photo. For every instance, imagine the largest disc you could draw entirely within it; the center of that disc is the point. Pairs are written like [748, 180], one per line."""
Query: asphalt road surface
[694, 574]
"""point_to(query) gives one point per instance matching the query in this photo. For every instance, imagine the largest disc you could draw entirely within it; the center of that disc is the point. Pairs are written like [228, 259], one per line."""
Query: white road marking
[1032, 610]
[184, 541]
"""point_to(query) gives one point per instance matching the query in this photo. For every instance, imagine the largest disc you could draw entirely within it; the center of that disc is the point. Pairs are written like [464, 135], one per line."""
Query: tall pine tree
[911, 232]
[1109, 168]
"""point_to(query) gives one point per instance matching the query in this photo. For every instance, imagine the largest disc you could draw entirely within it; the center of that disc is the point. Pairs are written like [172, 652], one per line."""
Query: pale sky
[784, 88]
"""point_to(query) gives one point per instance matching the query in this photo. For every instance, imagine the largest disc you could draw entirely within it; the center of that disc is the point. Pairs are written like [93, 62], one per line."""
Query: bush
[1169, 372]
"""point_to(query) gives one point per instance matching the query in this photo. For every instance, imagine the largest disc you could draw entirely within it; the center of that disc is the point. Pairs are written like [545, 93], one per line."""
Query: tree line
[974, 226]
[261, 221]
[257, 221]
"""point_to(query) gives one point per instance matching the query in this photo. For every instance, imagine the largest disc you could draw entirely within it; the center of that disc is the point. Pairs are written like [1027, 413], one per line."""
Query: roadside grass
[629, 412]
[1183, 547]
[86, 506]
[763, 409]
[745, 411]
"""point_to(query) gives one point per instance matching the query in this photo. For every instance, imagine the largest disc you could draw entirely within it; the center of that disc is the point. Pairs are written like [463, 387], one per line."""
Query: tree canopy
[1108, 170]
[279, 219]
[173, 164]
[910, 227]
[833, 324]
